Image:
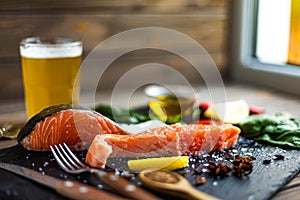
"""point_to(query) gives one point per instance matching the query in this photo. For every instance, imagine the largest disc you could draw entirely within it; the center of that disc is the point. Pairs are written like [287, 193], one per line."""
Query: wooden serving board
[261, 184]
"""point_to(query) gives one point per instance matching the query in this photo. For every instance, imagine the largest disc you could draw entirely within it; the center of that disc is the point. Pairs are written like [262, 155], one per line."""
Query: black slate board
[261, 184]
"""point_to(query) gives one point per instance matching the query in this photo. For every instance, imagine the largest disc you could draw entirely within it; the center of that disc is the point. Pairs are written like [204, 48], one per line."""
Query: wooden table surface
[272, 101]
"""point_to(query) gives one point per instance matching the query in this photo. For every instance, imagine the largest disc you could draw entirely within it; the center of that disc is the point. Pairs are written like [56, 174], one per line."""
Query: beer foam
[50, 51]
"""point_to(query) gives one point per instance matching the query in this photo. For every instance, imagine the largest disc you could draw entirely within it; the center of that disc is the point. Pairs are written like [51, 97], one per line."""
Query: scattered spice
[267, 161]
[242, 166]
[201, 181]
[219, 169]
[278, 157]
[275, 157]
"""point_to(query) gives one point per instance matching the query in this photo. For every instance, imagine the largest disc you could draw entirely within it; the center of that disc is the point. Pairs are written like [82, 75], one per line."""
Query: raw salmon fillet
[75, 126]
[169, 140]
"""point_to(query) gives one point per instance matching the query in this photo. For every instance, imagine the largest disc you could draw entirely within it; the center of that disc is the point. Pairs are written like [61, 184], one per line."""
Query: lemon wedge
[166, 163]
[229, 112]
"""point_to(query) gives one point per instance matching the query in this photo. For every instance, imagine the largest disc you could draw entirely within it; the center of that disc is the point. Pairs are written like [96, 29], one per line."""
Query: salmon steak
[168, 140]
[74, 125]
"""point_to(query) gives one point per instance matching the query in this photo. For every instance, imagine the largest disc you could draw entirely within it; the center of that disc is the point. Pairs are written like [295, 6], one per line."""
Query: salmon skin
[169, 140]
[74, 125]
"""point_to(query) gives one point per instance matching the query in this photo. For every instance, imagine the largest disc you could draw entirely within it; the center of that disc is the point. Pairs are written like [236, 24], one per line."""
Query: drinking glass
[50, 70]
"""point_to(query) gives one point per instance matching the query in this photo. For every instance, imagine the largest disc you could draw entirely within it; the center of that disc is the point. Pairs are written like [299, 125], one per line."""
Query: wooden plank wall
[206, 21]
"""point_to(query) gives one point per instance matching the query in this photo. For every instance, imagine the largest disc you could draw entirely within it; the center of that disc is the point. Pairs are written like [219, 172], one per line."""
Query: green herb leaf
[121, 115]
[279, 129]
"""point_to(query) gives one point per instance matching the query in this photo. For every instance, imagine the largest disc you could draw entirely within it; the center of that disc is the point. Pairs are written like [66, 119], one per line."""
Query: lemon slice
[229, 112]
[166, 163]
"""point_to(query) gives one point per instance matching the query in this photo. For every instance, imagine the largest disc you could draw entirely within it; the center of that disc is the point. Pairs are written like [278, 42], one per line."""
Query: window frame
[245, 67]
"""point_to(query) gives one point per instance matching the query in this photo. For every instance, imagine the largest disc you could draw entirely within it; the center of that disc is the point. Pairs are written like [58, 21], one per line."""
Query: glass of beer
[50, 69]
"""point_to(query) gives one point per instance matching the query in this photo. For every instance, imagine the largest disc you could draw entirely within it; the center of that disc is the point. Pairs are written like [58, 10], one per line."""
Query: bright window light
[273, 31]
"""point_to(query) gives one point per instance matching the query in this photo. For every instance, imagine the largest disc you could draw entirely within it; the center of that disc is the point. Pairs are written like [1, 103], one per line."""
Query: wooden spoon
[171, 183]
